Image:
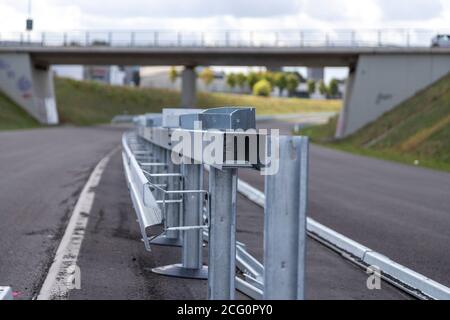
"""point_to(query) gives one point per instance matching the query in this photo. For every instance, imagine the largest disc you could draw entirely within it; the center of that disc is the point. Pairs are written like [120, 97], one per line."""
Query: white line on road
[56, 284]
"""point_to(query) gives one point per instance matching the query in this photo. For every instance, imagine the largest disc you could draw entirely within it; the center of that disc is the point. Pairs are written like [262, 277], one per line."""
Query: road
[40, 184]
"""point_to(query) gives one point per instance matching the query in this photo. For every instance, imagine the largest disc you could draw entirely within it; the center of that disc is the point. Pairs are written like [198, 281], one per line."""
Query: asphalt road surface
[42, 172]
[39, 185]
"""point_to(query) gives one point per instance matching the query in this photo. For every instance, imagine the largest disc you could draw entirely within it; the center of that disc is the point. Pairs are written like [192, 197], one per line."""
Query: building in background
[113, 75]
[315, 74]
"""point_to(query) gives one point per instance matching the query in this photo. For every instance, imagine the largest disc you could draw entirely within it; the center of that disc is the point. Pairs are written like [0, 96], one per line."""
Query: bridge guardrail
[226, 38]
[191, 214]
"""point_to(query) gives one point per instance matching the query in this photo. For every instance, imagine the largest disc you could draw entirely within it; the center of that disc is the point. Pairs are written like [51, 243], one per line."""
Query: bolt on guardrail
[164, 160]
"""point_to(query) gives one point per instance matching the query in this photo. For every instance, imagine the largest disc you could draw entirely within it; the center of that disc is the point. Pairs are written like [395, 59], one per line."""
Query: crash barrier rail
[6, 293]
[172, 194]
[226, 38]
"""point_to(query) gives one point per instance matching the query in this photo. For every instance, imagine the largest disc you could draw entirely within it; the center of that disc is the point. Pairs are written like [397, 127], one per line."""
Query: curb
[411, 281]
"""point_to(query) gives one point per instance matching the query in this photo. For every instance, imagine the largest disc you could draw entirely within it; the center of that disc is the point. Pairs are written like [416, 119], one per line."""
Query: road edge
[55, 284]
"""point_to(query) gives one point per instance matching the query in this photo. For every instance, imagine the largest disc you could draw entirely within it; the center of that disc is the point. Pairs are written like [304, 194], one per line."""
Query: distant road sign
[29, 25]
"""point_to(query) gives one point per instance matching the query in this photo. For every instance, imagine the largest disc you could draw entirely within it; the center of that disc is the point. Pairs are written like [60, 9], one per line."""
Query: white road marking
[56, 283]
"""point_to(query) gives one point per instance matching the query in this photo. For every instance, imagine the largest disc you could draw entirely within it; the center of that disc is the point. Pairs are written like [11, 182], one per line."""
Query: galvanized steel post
[222, 234]
[285, 221]
[193, 216]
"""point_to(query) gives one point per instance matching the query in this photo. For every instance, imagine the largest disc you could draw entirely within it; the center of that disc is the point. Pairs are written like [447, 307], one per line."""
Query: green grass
[417, 129]
[85, 103]
[13, 117]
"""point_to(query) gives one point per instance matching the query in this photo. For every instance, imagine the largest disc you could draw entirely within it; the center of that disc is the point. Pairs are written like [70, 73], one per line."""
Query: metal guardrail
[225, 38]
[171, 193]
[6, 293]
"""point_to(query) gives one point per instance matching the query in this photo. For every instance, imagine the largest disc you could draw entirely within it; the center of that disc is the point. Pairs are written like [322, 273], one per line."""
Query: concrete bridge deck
[210, 56]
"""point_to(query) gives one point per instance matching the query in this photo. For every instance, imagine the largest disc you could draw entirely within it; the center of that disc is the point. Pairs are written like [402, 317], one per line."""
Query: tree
[252, 79]
[280, 81]
[241, 79]
[173, 74]
[262, 88]
[311, 87]
[323, 88]
[136, 78]
[333, 87]
[269, 76]
[231, 80]
[292, 82]
[207, 76]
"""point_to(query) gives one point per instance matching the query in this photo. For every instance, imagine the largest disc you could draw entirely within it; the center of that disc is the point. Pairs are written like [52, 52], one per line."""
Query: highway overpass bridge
[381, 74]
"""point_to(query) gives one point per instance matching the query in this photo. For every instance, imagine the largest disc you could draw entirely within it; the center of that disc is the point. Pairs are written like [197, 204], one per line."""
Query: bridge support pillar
[380, 82]
[29, 85]
[188, 87]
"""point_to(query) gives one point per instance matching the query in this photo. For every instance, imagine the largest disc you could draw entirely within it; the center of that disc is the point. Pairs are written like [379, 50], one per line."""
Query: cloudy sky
[224, 14]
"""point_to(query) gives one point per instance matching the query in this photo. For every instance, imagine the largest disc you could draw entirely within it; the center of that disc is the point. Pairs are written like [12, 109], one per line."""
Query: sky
[225, 14]
[59, 15]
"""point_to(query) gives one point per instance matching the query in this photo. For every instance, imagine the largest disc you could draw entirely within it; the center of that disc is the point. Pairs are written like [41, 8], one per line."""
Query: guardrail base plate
[177, 270]
[163, 240]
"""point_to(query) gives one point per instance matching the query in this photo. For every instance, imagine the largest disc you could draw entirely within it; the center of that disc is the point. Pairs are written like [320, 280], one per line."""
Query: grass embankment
[85, 103]
[13, 117]
[88, 103]
[415, 132]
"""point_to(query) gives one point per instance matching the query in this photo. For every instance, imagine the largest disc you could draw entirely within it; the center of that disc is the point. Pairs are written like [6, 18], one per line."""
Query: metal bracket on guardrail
[191, 214]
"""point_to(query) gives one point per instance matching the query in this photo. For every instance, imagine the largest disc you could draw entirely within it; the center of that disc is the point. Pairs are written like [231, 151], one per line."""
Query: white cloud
[60, 15]
[410, 9]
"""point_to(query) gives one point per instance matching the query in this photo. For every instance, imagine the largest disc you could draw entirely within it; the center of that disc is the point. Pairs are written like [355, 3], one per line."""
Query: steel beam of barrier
[285, 222]
[6, 293]
[146, 208]
[192, 215]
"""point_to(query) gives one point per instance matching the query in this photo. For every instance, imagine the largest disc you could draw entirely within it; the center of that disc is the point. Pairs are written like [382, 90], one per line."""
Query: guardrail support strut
[285, 222]
[222, 234]
[192, 258]
[172, 218]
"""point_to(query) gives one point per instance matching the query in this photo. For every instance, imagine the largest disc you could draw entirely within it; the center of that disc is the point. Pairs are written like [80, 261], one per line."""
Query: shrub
[262, 88]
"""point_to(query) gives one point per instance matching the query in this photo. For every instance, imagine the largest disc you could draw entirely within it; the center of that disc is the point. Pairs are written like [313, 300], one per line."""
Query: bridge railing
[225, 38]
[169, 154]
